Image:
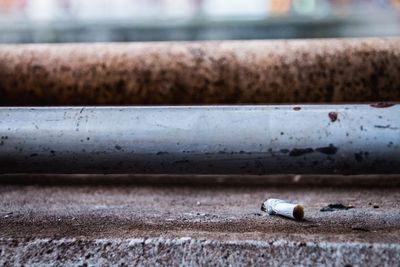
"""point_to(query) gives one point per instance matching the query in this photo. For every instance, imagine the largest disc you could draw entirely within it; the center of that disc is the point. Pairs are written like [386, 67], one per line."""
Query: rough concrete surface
[228, 72]
[82, 224]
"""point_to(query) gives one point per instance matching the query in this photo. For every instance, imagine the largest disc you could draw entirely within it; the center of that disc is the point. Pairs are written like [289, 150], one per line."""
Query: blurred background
[31, 21]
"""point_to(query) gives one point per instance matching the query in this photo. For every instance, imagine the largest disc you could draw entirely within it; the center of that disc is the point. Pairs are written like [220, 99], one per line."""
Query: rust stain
[333, 116]
[382, 105]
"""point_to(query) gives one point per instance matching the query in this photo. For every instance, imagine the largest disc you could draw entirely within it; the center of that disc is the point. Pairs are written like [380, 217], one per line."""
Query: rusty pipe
[306, 139]
[228, 72]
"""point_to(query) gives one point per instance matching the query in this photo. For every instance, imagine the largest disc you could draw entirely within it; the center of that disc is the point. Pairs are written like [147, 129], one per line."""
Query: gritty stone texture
[349, 181]
[331, 70]
[195, 225]
[186, 251]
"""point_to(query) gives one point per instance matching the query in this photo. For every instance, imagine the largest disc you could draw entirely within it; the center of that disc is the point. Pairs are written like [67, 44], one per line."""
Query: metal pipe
[229, 72]
[315, 139]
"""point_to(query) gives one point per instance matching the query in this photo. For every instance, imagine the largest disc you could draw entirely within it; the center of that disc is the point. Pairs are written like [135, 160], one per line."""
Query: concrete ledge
[286, 180]
[195, 225]
[186, 251]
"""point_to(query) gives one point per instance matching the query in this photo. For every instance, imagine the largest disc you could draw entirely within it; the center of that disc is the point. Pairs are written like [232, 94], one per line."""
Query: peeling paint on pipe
[229, 72]
[201, 140]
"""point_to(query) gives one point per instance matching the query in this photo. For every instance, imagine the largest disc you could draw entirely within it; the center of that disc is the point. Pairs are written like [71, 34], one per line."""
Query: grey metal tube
[302, 139]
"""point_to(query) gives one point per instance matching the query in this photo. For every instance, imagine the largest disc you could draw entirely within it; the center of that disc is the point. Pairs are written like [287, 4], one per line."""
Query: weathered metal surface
[201, 73]
[202, 140]
[167, 225]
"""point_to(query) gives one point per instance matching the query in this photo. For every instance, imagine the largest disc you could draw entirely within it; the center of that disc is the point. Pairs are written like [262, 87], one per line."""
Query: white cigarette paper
[281, 207]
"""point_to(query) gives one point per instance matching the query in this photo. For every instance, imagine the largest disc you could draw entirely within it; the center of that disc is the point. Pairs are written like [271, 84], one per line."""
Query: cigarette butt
[275, 206]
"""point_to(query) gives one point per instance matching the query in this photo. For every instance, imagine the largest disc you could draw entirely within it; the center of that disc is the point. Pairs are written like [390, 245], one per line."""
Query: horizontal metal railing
[314, 139]
[176, 73]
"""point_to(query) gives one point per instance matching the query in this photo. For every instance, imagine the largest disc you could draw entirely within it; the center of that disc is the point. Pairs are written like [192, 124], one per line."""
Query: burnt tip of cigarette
[298, 212]
[263, 208]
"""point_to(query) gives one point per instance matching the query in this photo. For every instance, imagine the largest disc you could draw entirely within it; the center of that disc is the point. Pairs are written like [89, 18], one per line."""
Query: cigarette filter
[275, 206]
